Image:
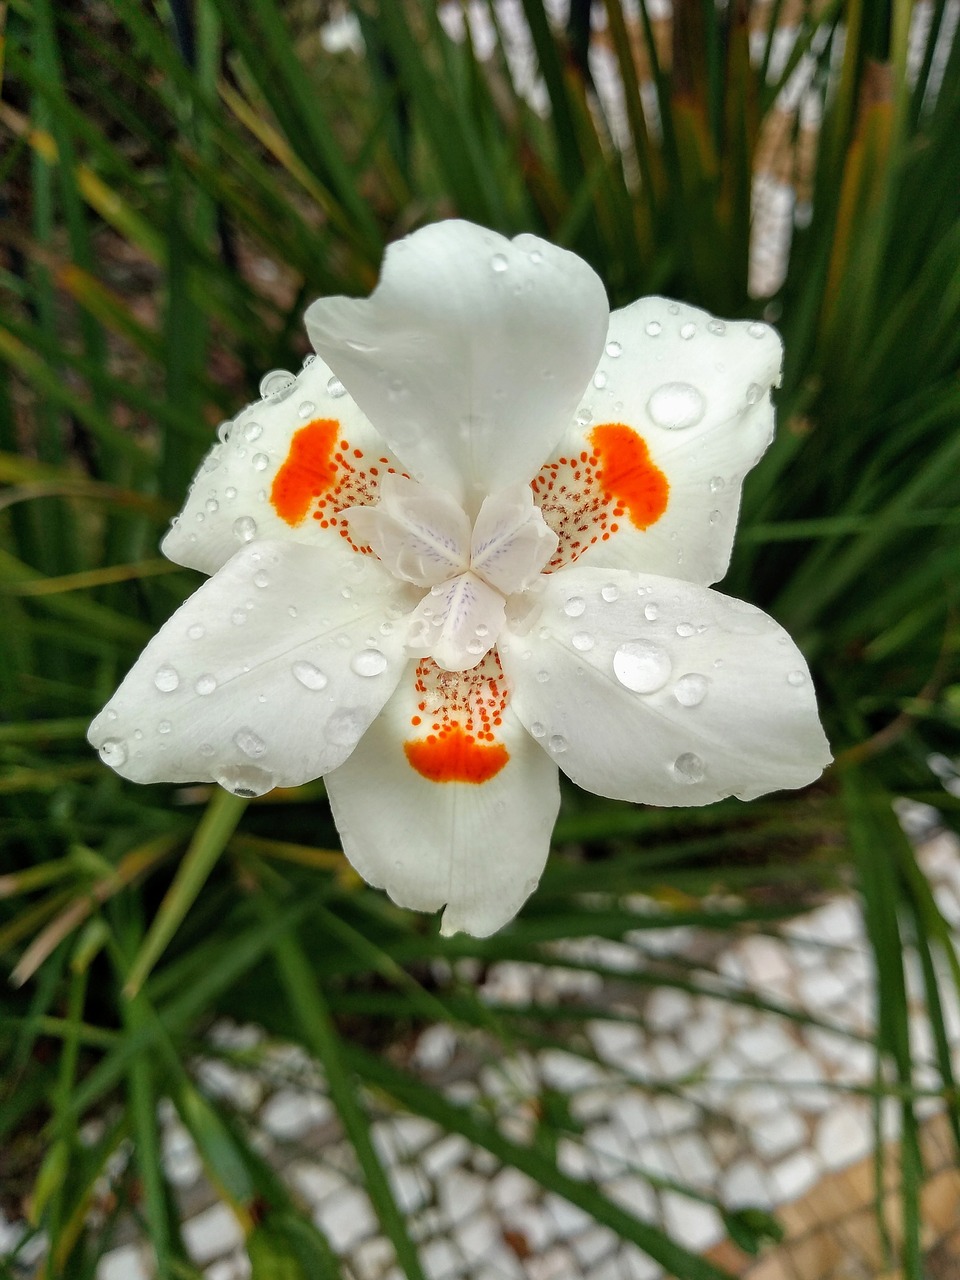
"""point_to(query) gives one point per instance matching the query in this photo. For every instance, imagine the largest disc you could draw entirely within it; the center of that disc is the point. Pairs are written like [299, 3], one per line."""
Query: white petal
[511, 542]
[456, 623]
[419, 533]
[477, 846]
[696, 392]
[661, 691]
[470, 355]
[281, 472]
[267, 676]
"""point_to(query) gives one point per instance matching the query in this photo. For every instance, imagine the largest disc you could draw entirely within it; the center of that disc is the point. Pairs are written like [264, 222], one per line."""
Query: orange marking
[307, 472]
[455, 756]
[627, 474]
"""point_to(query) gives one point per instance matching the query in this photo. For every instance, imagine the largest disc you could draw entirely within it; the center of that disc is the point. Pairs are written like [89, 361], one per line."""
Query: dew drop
[238, 617]
[543, 676]
[717, 327]
[113, 751]
[600, 379]
[230, 492]
[583, 641]
[252, 431]
[167, 679]
[613, 349]
[651, 612]
[499, 263]
[536, 257]
[370, 662]
[642, 666]
[223, 431]
[345, 727]
[309, 676]
[714, 517]
[688, 768]
[537, 729]
[245, 528]
[754, 392]
[275, 384]
[261, 579]
[797, 678]
[676, 406]
[306, 409]
[610, 593]
[245, 780]
[653, 328]
[574, 607]
[205, 684]
[164, 726]
[584, 417]
[335, 388]
[197, 631]
[685, 629]
[210, 463]
[688, 330]
[260, 462]
[691, 689]
[557, 744]
[716, 484]
[212, 506]
[250, 743]
[756, 330]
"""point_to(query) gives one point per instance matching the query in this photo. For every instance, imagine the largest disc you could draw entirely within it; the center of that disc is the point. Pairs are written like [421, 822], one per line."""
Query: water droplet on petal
[245, 780]
[536, 257]
[676, 406]
[260, 462]
[685, 629]
[113, 751]
[583, 641]
[164, 726]
[688, 768]
[688, 330]
[584, 417]
[371, 662]
[600, 379]
[610, 593]
[223, 431]
[212, 506]
[716, 484]
[537, 729]
[276, 384]
[310, 677]
[335, 388]
[557, 744]
[238, 617]
[306, 409]
[613, 349]
[797, 678]
[166, 679]
[252, 431]
[653, 328]
[345, 727]
[714, 517]
[691, 689]
[754, 392]
[642, 666]
[543, 676]
[499, 263]
[261, 579]
[250, 743]
[717, 327]
[197, 631]
[230, 492]
[651, 612]
[574, 607]
[205, 684]
[756, 330]
[245, 528]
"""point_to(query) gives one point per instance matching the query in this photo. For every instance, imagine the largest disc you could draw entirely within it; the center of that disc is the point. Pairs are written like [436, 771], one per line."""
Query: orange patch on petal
[308, 470]
[627, 474]
[455, 756]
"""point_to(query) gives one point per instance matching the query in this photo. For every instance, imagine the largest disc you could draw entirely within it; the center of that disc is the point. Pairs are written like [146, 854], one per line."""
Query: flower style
[469, 543]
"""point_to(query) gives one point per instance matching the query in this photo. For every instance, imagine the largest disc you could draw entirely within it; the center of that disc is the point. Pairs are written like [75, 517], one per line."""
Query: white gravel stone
[634, 1194]
[372, 1258]
[705, 1031]
[696, 1226]
[291, 1112]
[568, 1072]
[511, 1187]
[592, 1245]
[210, 1233]
[635, 1265]
[534, 1223]
[839, 921]
[449, 1152]
[236, 1267]
[478, 1237]
[461, 1194]
[125, 1263]
[222, 1080]
[667, 1009]
[795, 1175]
[612, 1040]
[749, 1102]
[314, 1181]
[674, 1060]
[556, 1264]
[410, 1188]
[181, 1160]
[777, 1133]
[695, 1158]
[822, 988]
[634, 1113]
[762, 1043]
[436, 1047]
[766, 961]
[746, 1183]
[441, 1260]
[568, 1218]
[844, 1135]
[346, 1218]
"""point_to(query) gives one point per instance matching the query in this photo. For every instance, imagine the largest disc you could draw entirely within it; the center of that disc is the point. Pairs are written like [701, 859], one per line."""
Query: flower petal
[456, 623]
[511, 541]
[470, 355]
[418, 532]
[267, 676]
[465, 802]
[285, 469]
[677, 413]
[661, 691]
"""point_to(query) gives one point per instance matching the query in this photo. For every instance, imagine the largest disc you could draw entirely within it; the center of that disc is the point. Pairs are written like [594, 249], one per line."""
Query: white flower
[471, 542]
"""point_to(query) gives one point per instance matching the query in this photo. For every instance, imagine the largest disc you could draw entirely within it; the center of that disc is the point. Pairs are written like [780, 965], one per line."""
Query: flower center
[424, 537]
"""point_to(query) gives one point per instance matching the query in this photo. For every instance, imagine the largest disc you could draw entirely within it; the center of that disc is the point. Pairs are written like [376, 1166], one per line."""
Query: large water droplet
[252, 431]
[260, 462]
[651, 612]
[276, 384]
[716, 484]
[613, 349]
[557, 744]
[250, 743]
[245, 528]
[797, 678]
[717, 327]
[685, 629]
[756, 330]
[537, 729]
[610, 593]
[583, 641]
[600, 379]
[245, 780]
[310, 677]
[691, 689]
[335, 388]
[223, 431]
[642, 666]
[688, 768]
[754, 392]
[306, 409]
[653, 328]
[166, 679]
[113, 751]
[574, 607]
[345, 727]
[676, 406]
[371, 662]
[499, 263]
[688, 330]
[205, 684]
